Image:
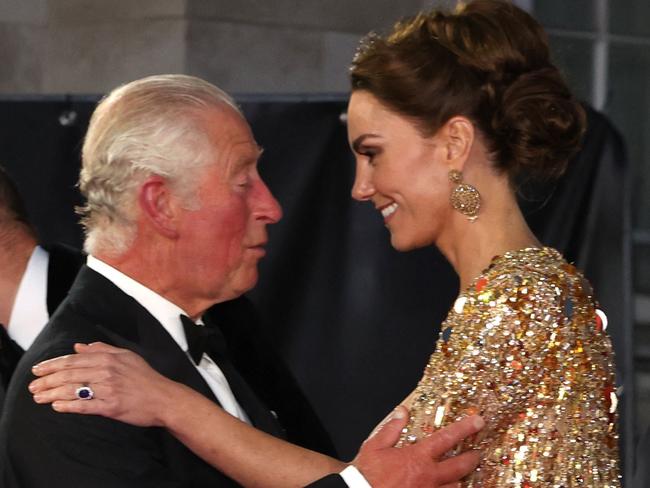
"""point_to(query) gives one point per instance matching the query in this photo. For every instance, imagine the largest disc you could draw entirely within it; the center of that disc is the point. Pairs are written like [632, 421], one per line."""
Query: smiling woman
[448, 112]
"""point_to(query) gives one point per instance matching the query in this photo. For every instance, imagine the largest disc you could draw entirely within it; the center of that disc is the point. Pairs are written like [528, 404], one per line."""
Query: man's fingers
[387, 433]
[457, 467]
[445, 439]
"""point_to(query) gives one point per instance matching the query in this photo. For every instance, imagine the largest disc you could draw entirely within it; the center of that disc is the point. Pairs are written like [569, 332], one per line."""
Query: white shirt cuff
[353, 478]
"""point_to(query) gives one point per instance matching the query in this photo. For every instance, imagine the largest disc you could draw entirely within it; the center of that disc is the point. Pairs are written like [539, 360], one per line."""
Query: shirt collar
[164, 311]
[29, 313]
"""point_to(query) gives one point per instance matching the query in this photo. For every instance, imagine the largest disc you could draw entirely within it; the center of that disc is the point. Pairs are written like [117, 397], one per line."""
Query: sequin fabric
[525, 347]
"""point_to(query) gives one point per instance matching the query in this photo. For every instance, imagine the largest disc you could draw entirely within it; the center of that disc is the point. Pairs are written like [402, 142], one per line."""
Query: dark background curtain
[354, 319]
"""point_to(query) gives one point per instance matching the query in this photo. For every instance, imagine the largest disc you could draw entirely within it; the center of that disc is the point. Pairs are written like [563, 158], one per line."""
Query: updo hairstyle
[488, 61]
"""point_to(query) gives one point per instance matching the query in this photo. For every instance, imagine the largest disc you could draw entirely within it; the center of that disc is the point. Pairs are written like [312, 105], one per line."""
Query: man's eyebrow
[253, 157]
[356, 144]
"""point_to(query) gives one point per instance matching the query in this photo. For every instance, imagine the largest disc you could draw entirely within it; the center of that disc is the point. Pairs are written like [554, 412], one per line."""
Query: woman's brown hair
[488, 61]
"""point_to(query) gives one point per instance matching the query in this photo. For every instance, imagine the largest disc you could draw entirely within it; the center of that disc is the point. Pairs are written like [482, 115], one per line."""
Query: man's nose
[268, 208]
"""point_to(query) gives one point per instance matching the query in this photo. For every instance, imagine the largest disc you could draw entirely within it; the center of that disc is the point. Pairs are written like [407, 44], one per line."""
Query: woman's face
[402, 173]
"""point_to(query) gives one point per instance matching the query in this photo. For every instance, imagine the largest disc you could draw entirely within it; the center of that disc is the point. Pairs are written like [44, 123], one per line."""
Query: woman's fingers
[95, 354]
[124, 385]
[93, 407]
[72, 377]
[68, 393]
[94, 359]
[72, 361]
[98, 347]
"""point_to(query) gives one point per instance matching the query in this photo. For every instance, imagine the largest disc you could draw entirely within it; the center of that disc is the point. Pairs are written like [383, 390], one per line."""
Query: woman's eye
[371, 155]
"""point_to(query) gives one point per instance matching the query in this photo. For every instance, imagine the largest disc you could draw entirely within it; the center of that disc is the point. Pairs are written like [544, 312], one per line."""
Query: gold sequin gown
[524, 346]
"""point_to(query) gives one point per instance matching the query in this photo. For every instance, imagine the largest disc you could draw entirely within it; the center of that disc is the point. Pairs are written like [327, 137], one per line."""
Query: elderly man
[175, 221]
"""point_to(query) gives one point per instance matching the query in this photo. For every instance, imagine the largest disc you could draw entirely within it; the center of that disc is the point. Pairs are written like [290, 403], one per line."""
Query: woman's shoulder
[542, 271]
[534, 286]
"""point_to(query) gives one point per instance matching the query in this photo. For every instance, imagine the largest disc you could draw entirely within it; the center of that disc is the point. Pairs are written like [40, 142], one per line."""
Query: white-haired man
[175, 221]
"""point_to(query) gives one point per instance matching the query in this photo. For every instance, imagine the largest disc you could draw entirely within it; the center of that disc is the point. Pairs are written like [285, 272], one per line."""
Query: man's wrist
[353, 477]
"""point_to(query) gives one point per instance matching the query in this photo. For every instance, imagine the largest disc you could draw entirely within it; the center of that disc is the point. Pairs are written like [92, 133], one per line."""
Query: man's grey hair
[147, 127]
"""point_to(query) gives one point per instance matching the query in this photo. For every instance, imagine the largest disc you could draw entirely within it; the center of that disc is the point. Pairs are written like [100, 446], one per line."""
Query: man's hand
[417, 465]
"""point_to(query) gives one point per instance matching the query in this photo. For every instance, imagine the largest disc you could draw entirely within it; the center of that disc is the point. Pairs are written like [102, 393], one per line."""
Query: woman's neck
[500, 227]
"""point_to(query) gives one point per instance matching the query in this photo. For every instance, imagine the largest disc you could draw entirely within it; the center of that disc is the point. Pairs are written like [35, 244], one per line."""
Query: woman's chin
[402, 245]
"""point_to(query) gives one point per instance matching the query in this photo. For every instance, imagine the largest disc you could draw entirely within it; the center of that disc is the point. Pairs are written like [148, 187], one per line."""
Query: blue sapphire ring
[84, 393]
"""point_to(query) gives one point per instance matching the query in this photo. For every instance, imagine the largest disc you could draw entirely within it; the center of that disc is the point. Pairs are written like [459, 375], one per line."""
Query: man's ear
[159, 206]
[458, 134]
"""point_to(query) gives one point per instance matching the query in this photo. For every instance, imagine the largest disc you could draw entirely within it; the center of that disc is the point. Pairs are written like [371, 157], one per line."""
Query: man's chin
[246, 282]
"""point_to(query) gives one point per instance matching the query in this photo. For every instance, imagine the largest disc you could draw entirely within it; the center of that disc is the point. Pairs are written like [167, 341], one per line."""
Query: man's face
[223, 240]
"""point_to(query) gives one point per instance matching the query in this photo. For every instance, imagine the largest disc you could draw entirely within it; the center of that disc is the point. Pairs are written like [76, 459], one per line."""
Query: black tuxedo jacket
[41, 448]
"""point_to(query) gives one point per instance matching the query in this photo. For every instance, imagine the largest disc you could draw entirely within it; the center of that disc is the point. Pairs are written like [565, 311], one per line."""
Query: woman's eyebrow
[356, 144]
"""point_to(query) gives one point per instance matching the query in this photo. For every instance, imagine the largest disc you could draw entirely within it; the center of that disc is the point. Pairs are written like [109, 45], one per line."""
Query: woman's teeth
[389, 210]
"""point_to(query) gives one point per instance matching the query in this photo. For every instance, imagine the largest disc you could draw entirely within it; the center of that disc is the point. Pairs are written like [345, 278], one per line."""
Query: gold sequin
[525, 347]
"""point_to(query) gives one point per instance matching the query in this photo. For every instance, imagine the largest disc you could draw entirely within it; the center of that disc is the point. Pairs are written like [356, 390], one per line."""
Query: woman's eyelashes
[370, 154]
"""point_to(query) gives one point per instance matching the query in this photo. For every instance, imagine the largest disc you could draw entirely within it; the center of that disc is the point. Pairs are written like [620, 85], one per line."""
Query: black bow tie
[203, 339]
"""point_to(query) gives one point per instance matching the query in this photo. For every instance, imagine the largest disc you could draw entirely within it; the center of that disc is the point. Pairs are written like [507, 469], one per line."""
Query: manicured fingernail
[38, 398]
[398, 413]
[36, 367]
[31, 387]
[479, 423]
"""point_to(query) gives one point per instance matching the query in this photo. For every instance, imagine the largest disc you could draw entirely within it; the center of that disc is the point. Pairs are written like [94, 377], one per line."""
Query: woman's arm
[127, 389]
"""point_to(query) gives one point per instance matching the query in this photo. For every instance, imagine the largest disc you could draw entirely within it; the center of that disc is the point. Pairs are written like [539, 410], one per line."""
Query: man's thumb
[387, 433]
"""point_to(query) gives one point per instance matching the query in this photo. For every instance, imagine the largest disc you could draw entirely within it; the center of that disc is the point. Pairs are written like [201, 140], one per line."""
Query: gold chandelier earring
[464, 198]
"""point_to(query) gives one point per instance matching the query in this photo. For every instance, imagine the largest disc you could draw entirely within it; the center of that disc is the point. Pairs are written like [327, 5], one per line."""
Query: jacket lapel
[130, 326]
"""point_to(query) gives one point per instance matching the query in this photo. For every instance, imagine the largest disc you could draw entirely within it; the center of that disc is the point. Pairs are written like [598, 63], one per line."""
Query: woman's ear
[458, 134]
[159, 206]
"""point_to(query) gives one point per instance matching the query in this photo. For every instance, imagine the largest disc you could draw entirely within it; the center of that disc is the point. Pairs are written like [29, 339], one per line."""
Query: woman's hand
[125, 387]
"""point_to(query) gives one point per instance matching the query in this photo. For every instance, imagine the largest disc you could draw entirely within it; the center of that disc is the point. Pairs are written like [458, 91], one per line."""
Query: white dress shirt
[29, 313]
[168, 314]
